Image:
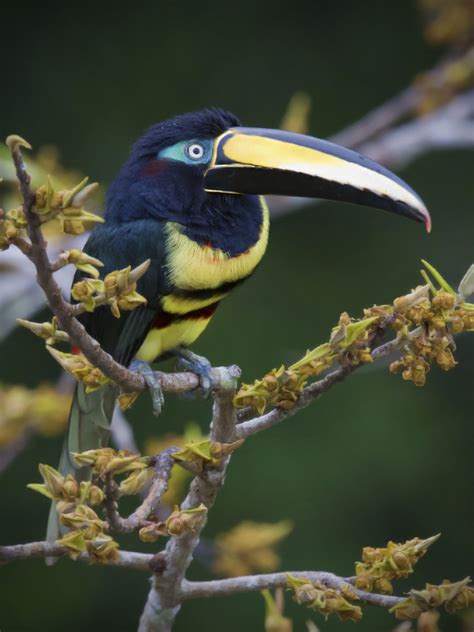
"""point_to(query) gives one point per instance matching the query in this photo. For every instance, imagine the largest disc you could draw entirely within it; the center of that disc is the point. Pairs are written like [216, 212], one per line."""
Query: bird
[191, 199]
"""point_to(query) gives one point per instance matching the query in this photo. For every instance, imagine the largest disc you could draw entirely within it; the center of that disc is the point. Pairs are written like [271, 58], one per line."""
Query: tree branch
[447, 127]
[163, 465]
[126, 559]
[254, 583]
[196, 590]
[310, 393]
[163, 601]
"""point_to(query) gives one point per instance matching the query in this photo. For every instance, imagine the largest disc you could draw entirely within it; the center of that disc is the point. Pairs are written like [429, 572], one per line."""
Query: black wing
[117, 246]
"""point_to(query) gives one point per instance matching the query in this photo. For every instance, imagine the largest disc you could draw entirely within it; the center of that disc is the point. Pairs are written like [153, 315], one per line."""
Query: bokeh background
[376, 458]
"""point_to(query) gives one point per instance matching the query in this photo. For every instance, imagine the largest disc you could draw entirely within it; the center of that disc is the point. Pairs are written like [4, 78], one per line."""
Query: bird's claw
[153, 382]
[189, 361]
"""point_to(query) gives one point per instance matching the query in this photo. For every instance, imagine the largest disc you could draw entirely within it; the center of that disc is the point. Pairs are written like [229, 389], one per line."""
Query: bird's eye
[194, 151]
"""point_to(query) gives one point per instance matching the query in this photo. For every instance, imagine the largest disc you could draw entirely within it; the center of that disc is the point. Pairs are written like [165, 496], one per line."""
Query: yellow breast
[192, 268]
[195, 267]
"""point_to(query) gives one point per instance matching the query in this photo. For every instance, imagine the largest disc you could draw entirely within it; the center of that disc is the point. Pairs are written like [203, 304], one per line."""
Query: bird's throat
[194, 266]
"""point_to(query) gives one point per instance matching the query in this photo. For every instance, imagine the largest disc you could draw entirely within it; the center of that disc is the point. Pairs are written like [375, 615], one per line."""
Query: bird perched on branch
[189, 198]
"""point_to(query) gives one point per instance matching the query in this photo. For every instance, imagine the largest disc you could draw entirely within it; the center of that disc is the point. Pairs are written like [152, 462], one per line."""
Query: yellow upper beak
[265, 161]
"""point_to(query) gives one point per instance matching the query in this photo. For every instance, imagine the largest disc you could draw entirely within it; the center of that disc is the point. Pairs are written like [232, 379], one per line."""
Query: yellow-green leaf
[437, 276]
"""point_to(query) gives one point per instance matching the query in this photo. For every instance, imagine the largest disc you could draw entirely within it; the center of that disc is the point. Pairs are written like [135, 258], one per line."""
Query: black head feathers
[208, 123]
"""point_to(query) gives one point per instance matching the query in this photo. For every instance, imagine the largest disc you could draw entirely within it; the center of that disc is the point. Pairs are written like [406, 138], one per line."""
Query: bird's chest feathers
[192, 266]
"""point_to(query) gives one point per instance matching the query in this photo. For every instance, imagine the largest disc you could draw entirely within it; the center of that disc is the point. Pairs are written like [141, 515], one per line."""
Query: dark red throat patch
[155, 168]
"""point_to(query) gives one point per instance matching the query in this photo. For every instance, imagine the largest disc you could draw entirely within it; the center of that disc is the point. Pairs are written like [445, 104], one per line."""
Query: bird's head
[205, 160]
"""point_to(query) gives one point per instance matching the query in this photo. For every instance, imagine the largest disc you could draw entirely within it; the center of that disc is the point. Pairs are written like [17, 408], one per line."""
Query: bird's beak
[275, 162]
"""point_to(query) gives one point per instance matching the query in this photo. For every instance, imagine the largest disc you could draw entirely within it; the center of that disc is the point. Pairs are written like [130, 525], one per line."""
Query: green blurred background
[376, 458]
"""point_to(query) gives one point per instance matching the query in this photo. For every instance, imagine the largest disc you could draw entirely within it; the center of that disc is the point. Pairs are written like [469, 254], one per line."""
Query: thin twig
[126, 559]
[163, 465]
[253, 583]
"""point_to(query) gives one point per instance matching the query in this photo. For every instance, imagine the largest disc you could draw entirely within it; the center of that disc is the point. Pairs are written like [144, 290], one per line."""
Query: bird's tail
[88, 429]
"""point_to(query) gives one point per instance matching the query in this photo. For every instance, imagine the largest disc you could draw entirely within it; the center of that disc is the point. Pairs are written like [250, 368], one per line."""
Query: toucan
[190, 198]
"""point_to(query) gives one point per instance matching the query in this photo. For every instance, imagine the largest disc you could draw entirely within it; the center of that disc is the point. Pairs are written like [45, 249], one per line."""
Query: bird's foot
[153, 382]
[189, 361]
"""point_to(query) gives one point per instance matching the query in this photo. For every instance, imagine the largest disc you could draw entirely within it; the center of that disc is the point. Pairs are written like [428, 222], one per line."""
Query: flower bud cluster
[282, 387]
[105, 461]
[424, 323]
[179, 522]
[325, 600]
[381, 565]
[65, 490]
[117, 289]
[426, 326]
[79, 366]
[87, 535]
[12, 225]
[86, 531]
[49, 331]
[82, 261]
[195, 456]
[65, 206]
[452, 596]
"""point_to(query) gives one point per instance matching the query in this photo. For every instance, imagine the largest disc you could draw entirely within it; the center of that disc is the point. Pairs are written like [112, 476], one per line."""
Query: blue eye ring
[195, 151]
[192, 152]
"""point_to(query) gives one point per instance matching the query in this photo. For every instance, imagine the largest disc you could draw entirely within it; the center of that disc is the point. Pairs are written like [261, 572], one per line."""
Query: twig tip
[14, 142]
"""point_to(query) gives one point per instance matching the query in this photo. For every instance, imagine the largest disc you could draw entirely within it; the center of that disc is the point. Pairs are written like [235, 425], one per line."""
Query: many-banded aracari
[189, 198]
